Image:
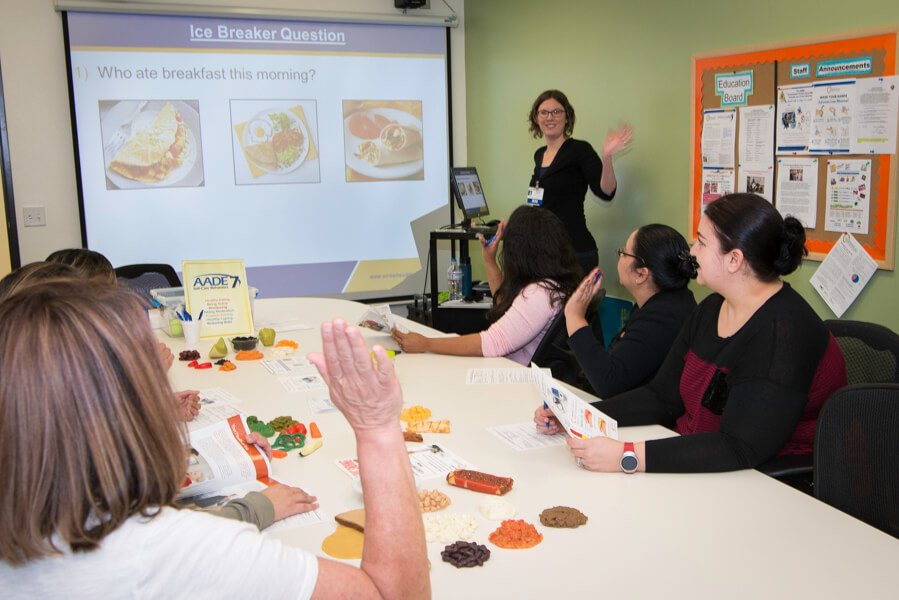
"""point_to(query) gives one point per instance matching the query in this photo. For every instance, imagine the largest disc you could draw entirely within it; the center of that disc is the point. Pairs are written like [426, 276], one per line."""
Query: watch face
[629, 463]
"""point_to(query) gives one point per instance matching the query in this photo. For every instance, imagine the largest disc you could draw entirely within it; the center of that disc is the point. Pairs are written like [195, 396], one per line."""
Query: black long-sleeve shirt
[776, 372]
[564, 182]
[639, 349]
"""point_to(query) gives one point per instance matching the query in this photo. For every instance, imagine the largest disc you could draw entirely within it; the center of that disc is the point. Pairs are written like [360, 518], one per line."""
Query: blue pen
[598, 275]
[491, 240]
[201, 316]
[545, 405]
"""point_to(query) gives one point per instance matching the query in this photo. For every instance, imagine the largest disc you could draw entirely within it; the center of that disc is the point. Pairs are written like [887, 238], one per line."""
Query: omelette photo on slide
[383, 139]
[151, 143]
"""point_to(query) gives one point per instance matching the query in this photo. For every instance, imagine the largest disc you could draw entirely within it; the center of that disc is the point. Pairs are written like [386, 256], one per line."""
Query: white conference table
[723, 535]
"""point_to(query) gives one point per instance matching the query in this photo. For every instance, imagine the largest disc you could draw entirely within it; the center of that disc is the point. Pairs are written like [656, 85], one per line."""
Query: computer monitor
[469, 194]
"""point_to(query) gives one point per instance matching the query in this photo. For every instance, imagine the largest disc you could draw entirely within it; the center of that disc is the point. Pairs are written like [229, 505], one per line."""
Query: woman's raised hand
[617, 140]
[368, 394]
[576, 306]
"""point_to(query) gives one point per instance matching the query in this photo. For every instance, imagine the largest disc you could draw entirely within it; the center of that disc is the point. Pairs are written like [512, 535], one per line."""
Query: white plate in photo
[366, 168]
[263, 127]
[189, 173]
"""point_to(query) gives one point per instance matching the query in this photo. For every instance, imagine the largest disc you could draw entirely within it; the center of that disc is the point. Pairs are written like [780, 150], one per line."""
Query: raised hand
[368, 395]
[617, 140]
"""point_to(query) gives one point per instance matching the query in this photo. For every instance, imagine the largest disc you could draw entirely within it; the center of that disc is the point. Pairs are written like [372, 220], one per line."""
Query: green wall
[630, 61]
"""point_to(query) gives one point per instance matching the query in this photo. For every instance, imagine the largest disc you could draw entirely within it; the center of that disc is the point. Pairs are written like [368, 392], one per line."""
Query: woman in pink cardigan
[536, 272]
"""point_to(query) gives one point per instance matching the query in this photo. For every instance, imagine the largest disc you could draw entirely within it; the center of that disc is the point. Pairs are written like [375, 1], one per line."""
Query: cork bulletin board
[854, 55]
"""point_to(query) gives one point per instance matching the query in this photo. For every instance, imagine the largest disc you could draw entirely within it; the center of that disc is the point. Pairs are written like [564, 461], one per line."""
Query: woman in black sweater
[564, 168]
[748, 373]
[654, 266]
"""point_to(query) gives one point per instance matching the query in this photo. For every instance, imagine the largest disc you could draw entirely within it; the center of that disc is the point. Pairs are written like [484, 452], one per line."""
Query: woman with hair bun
[654, 266]
[749, 371]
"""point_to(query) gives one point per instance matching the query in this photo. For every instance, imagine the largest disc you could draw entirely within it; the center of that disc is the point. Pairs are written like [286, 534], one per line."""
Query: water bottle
[454, 279]
[466, 277]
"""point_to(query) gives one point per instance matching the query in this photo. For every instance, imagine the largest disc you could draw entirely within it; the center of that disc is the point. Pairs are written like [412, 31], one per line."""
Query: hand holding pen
[490, 247]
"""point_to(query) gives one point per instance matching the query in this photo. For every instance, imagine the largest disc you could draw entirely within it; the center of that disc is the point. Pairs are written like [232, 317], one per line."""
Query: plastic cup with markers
[190, 326]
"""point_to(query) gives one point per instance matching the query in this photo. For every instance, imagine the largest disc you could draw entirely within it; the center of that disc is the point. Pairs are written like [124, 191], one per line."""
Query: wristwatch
[629, 460]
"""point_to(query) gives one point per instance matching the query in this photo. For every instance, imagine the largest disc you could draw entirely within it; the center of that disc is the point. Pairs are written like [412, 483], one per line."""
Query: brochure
[577, 417]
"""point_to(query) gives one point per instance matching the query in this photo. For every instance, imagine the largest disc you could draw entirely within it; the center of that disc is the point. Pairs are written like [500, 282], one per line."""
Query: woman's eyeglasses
[621, 252]
[545, 114]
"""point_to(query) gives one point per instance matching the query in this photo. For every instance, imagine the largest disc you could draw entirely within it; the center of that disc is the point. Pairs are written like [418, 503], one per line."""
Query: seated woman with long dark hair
[536, 272]
[93, 461]
[655, 267]
[749, 371]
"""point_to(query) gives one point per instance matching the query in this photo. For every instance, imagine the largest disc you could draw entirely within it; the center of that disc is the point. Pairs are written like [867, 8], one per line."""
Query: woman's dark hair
[536, 249]
[665, 253]
[87, 262]
[773, 246]
[559, 97]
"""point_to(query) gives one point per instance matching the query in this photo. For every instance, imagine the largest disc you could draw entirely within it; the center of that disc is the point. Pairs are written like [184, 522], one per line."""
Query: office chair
[146, 277]
[872, 356]
[871, 351]
[553, 351]
[857, 453]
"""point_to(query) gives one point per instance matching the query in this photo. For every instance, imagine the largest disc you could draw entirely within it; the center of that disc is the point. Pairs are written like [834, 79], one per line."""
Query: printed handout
[719, 129]
[797, 189]
[877, 106]
[843, 273]
[848, 196]
[795, 105]
[832, 122]
[524, 436]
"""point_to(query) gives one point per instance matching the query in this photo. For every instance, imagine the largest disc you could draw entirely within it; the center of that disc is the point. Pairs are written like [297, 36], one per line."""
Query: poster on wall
[756, 150]
[843, 274]
[832, 122]
[797, 189]
[795, 105]
[719, 129]
[716, 183]
[848, 195]
[877, 108]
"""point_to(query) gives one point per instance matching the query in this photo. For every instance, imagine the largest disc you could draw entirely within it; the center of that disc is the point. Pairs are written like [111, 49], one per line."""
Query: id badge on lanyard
[535, 195]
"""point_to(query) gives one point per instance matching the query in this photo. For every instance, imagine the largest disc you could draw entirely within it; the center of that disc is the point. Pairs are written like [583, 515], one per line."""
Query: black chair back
[871, 351]
[554, 353]
[146, 277]
[857, 454]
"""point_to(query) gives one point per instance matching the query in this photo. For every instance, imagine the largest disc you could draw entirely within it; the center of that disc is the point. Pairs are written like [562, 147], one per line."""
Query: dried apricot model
[516, 535]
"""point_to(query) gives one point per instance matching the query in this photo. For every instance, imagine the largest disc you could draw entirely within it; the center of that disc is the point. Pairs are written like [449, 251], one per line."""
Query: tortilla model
[399, 144]
[152, 153]
[263, 155]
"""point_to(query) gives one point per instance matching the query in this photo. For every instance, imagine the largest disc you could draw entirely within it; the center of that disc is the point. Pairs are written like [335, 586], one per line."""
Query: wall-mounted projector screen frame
[318, 152]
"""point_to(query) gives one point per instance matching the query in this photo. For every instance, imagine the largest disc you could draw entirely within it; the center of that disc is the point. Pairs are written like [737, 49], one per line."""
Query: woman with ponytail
[750, 369]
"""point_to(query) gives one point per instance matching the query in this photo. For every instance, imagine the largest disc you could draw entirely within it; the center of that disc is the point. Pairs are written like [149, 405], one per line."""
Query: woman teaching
[750, 369]
[538, 273]
[654, 266]
[565, 167]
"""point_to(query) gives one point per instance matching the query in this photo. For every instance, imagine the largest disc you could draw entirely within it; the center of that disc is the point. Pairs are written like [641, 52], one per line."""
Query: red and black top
[737, 401]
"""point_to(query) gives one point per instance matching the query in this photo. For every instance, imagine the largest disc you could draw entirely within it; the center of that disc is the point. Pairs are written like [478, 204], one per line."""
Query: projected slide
[307, 149]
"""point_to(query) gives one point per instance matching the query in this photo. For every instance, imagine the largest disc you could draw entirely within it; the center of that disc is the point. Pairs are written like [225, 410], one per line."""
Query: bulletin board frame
[771, 61]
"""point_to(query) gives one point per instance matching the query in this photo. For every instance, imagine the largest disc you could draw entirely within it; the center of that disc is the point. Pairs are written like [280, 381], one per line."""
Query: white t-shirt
[178, 554]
